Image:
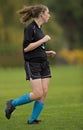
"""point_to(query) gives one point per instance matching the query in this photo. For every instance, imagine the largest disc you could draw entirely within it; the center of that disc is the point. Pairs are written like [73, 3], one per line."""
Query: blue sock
[21, 100]
[38, 106]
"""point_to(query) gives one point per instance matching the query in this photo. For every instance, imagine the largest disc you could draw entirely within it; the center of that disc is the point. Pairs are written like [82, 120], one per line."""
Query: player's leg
[36, 93]
[45, 85]
[39, 104]
[37, 90]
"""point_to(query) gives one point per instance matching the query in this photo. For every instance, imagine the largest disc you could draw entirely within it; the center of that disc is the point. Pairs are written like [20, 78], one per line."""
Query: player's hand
[51, 53]
[46, 38]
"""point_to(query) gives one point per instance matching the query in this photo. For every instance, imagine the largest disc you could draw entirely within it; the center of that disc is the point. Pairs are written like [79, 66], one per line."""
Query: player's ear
[41, 14]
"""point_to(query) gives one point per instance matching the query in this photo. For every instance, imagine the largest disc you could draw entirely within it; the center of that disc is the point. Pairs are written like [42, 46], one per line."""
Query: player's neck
[38, 22]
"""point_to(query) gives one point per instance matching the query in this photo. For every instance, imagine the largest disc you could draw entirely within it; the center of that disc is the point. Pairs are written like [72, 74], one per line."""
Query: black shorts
[37, 70]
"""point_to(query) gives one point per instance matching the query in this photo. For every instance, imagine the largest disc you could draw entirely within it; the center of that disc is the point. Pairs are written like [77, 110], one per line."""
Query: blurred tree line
[65, 27]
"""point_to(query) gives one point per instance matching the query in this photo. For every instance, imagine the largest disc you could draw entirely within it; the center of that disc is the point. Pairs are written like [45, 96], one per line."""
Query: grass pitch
[64, 105]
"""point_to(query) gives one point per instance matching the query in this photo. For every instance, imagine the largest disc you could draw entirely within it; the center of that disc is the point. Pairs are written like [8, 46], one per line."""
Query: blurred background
[65, 27]
[64, 105]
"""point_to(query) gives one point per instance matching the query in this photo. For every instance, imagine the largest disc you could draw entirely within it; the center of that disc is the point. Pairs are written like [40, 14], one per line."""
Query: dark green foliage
[65, 26]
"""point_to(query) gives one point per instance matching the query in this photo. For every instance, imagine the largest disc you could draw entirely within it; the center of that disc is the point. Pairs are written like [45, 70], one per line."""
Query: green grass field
[64, 104]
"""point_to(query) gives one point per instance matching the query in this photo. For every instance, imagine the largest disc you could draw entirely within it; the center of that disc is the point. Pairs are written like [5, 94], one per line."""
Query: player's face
[45, 16]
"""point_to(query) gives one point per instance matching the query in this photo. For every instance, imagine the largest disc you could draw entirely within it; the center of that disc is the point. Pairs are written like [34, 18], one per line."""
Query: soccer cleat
[9, 109]
[38, 121]
[34, 122]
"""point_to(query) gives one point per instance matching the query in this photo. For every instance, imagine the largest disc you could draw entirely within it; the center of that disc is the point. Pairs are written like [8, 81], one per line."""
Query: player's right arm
[36, 44]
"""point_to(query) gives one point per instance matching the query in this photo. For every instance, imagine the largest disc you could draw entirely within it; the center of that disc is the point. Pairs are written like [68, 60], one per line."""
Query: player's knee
[38, 95]
[45, 92]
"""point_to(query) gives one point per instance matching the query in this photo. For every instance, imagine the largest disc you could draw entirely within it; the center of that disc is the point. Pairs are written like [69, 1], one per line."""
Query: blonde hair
[29, 12]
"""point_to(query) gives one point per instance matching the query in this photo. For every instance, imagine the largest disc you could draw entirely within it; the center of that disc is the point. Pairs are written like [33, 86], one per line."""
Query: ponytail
[26, 12]
[29, 12]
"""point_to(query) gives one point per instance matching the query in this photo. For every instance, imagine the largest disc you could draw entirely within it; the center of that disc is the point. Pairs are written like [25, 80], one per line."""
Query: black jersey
[33, 33]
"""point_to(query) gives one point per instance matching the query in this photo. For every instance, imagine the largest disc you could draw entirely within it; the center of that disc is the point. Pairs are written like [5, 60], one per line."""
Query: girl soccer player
[35, 59]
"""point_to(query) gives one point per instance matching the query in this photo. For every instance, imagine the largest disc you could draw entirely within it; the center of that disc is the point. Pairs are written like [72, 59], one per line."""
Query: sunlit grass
[64, 104]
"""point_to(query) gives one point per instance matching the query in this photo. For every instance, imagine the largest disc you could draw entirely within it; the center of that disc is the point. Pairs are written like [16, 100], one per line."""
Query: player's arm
[36, 44]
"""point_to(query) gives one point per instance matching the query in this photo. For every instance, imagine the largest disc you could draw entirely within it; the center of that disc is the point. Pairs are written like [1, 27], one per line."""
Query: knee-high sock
[21, 100]
[38, 106]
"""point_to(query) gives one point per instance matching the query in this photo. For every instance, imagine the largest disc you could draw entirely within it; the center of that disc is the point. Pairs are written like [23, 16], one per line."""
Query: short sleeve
[28, 36]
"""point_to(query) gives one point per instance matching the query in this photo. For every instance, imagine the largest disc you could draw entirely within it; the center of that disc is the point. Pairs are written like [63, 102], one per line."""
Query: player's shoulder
[30, 26]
